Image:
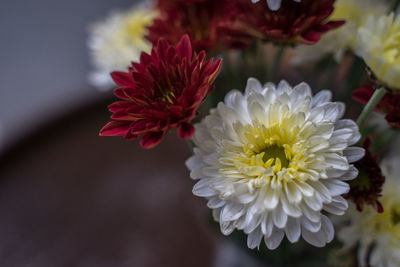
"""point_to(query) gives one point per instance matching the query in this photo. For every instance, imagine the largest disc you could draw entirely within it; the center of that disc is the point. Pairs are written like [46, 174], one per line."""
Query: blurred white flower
[338, 41]
[379, 46]
[273, 4]
[117, 41]
[272, 161]
[377, 235]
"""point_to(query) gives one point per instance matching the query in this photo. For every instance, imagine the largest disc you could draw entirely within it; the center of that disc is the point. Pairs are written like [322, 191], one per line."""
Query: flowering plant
[278, 160]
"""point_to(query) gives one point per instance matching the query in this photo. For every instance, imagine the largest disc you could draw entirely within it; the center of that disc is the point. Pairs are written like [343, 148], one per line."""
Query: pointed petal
[185, 130]
[150, 140]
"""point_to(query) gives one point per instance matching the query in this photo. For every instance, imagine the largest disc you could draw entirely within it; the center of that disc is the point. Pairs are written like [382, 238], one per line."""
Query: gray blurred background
[44, 60]
[67, 196]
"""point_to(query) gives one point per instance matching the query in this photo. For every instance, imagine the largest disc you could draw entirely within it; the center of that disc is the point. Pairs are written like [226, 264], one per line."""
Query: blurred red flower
[389, 104]
[367, 187]
[197, 18]
[161, 92]
[295, 22]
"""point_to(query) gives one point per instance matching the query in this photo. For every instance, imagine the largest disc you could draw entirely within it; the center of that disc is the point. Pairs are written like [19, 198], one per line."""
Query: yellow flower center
[386, 222]
[275, 155]
[135, 28]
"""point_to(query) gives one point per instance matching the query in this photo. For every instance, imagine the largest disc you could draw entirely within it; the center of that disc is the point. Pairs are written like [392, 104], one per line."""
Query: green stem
[373, 101]
[394, 6]
[276, 63]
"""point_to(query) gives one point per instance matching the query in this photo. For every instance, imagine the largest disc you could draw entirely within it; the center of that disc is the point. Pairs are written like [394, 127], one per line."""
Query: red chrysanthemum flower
[389, 104]
[161, 92]
[367, 187]
[295, 22]
[197, 18]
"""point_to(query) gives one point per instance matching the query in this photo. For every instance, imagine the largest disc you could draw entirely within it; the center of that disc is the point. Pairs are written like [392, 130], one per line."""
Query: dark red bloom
[161, 92]
[367, 187]
[389, 104]
[197, 18]
[295, 22]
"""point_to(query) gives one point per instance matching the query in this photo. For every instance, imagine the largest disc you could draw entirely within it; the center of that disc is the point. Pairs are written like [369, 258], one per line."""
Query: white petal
[348, 130]
[350, 174]
[316, 239]
[271, 198]
[303, 89]
[338, 206]
[231, 212]
[254, 238]
[335, 173]
[327, 229]
[336, 187]
[322, 190]
[194, 162]
[215, 202]
[293, 230]
[290, 209]
[227, 228]
[333, 111]
[275, 239]
[283, 85]
[274, 4]
[279, 217]
[309, 225]
[267, 224]
[253, 85]
[314, 202]
[305, 188]
[242, 194]
[252, 222]
[354, 153]
[321, 98]
[310, 214]
[293, 193]
[203, 189]
[336, 161]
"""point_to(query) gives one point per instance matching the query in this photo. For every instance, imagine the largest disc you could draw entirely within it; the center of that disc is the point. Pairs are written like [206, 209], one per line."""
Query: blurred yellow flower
[379, 44]
[337, 42]
[377, 234]
[117, 41]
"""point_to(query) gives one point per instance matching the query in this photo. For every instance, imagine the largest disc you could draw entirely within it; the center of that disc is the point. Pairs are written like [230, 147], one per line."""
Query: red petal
[115, 128]
[130, 136]
[150, 140]
[393, 119]
[186, 130]
[363, 94]
[184, 47]
[312, 37]
[379, 207]
[123, 93]
[119, 106]
[122, 78]
[334, 24]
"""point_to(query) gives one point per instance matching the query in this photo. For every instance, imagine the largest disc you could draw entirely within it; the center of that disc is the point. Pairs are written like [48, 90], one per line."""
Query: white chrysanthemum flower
[377, 235]
[117, 41]
[379, 44]
[273, 4]
[272, 161]
[338, 41]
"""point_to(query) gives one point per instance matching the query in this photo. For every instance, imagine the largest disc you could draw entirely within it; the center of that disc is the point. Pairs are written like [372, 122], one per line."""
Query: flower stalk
[276, 63]
[374, 100]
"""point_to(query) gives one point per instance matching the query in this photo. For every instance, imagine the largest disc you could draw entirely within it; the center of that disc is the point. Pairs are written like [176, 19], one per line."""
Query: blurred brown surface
[71, 198]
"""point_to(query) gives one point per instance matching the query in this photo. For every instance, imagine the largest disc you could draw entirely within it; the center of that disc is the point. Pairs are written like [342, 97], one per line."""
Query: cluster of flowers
[274, 160]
